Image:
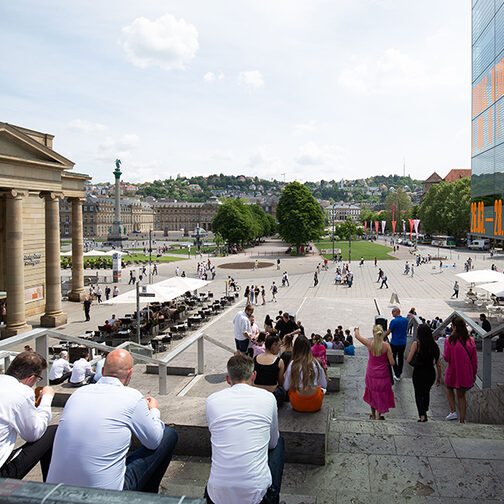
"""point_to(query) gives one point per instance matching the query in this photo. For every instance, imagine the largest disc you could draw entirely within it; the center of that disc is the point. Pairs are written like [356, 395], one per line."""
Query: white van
[479, 244]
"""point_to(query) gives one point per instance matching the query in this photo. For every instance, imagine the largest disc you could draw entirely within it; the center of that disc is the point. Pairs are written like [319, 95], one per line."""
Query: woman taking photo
[378, 393]
[423, 355]
[305, 379]
[460, 354]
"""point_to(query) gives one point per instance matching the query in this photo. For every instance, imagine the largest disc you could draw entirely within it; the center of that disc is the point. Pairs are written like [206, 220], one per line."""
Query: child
[257, 346]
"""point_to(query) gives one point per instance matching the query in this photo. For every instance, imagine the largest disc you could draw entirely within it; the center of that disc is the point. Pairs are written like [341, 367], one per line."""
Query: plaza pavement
[395, 461]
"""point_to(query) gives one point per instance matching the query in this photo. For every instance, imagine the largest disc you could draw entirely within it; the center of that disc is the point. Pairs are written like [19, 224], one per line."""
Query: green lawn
[360, 248]
[145, 257]
[194, 250]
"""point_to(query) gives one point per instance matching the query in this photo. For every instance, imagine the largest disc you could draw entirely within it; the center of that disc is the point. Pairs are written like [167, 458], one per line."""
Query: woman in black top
[424, 354]
[268, 366]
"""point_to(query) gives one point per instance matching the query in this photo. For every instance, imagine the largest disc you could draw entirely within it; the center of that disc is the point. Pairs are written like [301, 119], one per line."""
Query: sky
[295, 90]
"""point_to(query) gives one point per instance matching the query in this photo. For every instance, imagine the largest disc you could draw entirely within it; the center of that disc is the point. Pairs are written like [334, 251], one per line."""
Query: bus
[443, 241]
[424, 239]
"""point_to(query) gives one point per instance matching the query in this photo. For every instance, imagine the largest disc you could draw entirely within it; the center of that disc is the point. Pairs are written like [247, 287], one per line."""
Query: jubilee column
[14, 263]
[54, 315]
[117, 232]
[77, 293]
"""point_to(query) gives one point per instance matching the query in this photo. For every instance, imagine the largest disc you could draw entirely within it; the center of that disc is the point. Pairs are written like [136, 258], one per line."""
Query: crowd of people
[273, 365]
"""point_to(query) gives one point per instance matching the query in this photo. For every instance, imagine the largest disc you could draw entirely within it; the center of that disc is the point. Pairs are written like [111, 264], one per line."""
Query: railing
[486, 380]
[41, 337]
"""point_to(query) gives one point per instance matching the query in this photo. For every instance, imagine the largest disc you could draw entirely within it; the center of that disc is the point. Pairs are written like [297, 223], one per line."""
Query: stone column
[77, 293]
[14, 263]
[54, 315]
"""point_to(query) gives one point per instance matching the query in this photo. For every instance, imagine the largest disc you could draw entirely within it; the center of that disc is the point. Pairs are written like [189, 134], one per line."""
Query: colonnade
[15, 267]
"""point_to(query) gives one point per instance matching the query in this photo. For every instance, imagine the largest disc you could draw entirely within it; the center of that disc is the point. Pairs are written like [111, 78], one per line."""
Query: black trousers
[398, 354]
[63, 378]
[30, 454]
[423, 379]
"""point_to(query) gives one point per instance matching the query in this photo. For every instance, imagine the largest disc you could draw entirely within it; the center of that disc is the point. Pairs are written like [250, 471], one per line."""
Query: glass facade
[487, 131]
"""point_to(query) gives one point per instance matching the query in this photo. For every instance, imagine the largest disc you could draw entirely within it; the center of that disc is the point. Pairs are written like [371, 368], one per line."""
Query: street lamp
[350, 243]
[333, 230]
[150, 256]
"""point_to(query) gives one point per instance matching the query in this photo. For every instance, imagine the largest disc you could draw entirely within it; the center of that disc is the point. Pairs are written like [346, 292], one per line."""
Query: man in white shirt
[241, 324]
[60, 369]
[82, 372]
[18, 415]
[90, 449]
[247, 450]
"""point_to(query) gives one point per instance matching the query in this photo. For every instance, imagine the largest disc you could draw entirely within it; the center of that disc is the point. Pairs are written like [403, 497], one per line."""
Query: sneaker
[452, 416]
[397, 378]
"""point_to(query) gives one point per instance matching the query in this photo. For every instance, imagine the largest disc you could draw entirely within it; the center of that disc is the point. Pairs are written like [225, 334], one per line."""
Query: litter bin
[381, 320]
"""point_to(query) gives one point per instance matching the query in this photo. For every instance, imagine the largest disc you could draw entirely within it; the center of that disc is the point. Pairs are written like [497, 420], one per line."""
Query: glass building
[487, 132]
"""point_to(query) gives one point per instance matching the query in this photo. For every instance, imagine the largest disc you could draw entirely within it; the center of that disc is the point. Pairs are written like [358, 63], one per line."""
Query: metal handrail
[42, 335]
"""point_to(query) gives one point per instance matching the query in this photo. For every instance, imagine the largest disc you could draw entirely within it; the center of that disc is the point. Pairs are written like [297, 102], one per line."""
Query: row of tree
[239, 223]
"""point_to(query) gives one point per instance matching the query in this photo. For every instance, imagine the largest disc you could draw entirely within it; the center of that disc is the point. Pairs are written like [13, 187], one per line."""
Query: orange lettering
[497, 119]
[493, 84]
[480, 132]
[490, 126]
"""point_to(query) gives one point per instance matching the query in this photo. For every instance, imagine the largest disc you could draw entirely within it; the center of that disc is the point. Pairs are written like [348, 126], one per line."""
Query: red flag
[376, 224]
[365, 226]
[411, 228]
[393, 226]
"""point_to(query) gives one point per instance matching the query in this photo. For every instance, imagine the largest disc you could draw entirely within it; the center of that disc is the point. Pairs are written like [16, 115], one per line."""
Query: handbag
[414, 360]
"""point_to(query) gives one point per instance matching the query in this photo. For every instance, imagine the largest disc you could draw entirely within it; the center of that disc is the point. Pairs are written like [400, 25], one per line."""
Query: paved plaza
[397, 460]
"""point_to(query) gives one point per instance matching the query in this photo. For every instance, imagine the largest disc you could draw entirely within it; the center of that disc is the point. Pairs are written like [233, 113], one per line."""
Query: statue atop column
[117, 229]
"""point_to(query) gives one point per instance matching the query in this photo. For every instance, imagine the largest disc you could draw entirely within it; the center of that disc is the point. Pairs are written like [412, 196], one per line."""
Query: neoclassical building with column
[33, 179]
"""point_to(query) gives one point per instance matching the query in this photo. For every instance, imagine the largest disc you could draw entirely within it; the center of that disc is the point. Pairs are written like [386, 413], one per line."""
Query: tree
[345, 229]
[401, 201]
[300, 218]
[234, 222]
[446, 208]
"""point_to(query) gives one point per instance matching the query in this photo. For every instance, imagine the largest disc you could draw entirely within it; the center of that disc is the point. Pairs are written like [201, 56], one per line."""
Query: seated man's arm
[146, 424]
[274, 434]
[32, 422]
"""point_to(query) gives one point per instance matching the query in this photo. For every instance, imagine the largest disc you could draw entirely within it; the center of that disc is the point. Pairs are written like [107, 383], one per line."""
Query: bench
[333, 379]
[305, 434]
[335, 356]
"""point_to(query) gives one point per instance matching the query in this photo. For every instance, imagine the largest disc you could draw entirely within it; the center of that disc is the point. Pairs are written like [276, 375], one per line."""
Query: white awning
[481, 276]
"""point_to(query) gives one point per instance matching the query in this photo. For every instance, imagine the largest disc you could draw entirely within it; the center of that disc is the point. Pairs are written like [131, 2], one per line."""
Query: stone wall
[486, 406]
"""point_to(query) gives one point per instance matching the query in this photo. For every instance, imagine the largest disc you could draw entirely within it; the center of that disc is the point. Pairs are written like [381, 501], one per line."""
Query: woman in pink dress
[319, 350]
[378, 392]
[460, 354]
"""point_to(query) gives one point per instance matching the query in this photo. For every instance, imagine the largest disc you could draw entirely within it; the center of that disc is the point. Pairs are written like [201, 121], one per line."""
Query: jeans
[242, 345]
[276, 464]
[30, 454]
[398, 354]
[145, 468]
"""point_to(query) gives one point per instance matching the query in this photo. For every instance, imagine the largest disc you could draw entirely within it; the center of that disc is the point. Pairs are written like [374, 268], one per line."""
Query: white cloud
[222, 155]
[251, 78]
[166, 42]
[312, 154]
[118, 148]
[393, 71]
[211, 76]
[303, 128]
[86, 126]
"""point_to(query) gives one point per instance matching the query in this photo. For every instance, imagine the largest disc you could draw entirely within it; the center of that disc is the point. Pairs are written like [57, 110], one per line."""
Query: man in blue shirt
[398, 327]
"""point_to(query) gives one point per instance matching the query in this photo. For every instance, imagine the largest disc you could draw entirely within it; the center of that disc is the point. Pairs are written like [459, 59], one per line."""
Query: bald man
[94, 434]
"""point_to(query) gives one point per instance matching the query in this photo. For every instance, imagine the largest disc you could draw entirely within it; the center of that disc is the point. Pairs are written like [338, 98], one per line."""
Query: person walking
[423, 356]
[107, 292]
[460, 354]
[315, 279]
[278, 264]
[274, 290]
[87, 308]
[380, 275]
[263, 294]
[399, 328]
[378, 393]
[383, 281]
[115, 292]
[455, 290]
[99, 294]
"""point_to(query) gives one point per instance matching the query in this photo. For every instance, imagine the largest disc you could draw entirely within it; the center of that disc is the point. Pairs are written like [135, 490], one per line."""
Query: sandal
[371, 417]
[381, 417]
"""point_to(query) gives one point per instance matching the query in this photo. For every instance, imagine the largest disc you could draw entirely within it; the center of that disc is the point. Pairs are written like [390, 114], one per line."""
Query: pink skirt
[379, 394]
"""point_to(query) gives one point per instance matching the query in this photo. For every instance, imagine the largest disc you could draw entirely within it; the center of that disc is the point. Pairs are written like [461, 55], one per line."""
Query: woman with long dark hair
[305, 378]
[423, 355]
[460, 354]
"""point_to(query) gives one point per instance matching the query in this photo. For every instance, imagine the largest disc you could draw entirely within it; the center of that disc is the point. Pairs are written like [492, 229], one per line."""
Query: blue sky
[310, 89]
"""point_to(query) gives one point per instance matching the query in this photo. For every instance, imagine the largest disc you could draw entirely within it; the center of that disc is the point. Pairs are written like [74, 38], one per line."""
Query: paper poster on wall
[34, 293]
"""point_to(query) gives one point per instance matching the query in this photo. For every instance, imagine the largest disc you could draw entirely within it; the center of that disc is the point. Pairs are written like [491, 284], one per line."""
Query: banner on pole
[376, 224]
[383, 223]
[411, 228]
[416, 224]
[404, 226]
[365, 226]
[393, 226]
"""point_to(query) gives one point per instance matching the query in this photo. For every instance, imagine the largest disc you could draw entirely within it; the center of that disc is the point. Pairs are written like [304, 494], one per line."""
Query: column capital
[52, 195]
[14, 193]
[76, 198]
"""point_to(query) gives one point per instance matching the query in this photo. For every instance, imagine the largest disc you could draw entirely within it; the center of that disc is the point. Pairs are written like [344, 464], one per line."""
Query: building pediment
[17, 147]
